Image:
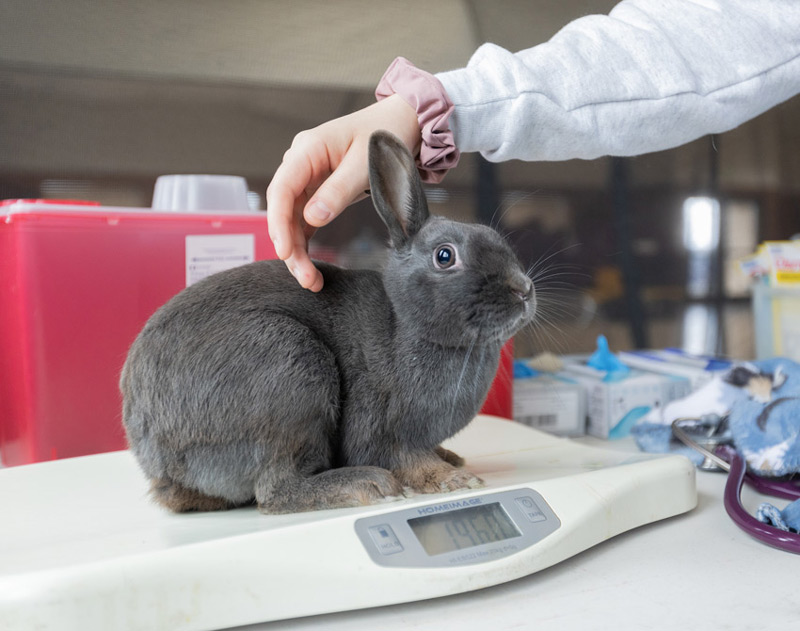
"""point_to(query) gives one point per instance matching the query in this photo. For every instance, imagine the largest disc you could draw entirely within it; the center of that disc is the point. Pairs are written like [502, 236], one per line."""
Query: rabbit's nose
[521, 286]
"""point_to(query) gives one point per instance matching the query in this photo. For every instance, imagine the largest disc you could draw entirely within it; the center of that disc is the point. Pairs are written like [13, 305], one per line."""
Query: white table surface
[694, 571]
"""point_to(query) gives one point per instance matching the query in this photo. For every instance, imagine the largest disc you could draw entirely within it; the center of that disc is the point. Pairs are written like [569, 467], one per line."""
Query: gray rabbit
[247, 388]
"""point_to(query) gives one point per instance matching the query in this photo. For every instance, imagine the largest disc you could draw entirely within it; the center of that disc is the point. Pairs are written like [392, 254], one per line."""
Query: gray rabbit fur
[245, 388]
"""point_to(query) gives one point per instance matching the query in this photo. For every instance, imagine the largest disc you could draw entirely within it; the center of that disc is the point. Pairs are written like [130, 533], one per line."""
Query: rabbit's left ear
[396, 187]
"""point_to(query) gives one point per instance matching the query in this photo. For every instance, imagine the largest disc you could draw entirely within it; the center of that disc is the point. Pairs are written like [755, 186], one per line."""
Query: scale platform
[83, 548]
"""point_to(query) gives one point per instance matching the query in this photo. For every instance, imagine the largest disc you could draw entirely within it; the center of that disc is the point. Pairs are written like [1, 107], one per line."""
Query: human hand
[323, 172]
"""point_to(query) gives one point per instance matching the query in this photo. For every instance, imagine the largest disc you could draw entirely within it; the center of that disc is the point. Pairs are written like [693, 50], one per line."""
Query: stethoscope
[728, 459]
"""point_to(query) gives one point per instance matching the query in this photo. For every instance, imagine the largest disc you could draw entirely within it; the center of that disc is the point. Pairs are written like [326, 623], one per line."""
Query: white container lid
[188, 193]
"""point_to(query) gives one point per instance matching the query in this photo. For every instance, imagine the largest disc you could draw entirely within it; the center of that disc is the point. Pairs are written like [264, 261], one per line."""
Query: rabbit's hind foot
[334, 488]
[181, 499]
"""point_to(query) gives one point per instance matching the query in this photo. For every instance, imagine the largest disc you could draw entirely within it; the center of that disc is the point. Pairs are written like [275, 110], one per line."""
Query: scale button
[529, 507]
[385, 539]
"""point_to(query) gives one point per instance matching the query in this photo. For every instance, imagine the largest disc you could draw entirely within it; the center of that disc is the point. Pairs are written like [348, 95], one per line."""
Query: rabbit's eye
[444, 256]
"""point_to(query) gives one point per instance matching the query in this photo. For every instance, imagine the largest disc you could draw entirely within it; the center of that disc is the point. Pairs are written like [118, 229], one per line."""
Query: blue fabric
[787, 519]
[763, 412]
[763, 426]
[767, 433]
[657, 438]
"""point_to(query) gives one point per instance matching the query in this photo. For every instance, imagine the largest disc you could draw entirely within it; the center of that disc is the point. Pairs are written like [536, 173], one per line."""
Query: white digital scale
[83, 548]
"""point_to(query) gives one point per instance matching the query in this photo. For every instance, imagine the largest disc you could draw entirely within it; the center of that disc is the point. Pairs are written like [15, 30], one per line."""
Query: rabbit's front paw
[376, 485]
[459, 479]
[437, 477]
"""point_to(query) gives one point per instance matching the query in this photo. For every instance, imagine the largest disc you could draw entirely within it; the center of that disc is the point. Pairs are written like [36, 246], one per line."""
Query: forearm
[647, 77]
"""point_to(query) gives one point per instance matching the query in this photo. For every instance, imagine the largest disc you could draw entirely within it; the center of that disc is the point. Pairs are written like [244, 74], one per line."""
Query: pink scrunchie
[425, 93]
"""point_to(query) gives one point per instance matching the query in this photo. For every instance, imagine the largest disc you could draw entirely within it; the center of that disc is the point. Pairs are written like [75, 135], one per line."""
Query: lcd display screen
[463, 528]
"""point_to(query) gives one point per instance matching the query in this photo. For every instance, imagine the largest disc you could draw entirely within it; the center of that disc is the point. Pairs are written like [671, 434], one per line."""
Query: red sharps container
[78, 281]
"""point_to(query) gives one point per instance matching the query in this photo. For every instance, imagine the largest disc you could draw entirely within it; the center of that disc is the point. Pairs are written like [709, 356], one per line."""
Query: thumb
[346, 185]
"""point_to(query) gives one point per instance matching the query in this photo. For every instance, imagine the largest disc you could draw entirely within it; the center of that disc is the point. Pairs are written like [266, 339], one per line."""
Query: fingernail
[276, 243]
[318, 211]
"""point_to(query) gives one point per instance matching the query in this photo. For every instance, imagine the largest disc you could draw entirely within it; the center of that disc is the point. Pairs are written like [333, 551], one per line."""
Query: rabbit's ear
[396, 187]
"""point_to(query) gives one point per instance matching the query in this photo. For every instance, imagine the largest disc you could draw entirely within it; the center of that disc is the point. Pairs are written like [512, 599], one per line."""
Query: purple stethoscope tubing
[730, 460]
[770, 535]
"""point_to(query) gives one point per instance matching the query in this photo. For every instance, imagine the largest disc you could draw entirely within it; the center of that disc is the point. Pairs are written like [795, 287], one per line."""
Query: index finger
[287, 185]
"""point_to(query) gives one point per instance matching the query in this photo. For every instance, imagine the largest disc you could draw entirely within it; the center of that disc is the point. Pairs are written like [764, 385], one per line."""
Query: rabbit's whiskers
[456, 396]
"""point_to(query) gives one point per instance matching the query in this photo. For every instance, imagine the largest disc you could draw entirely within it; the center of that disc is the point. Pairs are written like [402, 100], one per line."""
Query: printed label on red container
[209, 254]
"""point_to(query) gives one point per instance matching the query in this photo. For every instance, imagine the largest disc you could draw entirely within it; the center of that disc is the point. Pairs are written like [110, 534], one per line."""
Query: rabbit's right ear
[396, 187]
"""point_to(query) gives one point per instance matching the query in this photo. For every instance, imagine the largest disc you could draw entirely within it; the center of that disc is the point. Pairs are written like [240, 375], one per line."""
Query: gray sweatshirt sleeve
[649, 76]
